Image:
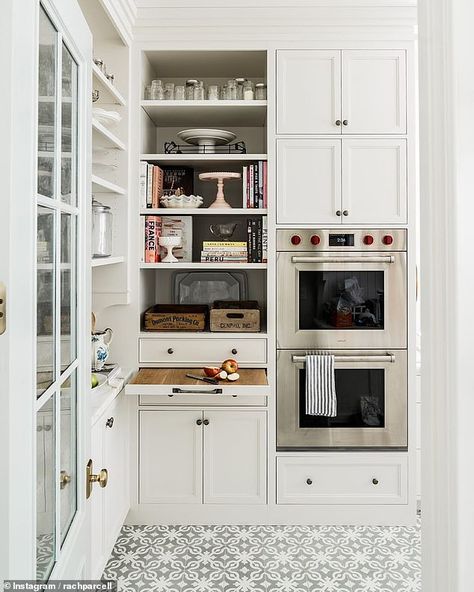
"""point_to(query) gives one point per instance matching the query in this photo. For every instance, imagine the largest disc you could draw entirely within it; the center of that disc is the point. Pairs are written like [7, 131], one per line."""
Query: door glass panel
[360, 400]
[45, 491]
[68, 289]
[46, 279]
[68, 473]
[341, 300]
[68, 128]
[47, 105]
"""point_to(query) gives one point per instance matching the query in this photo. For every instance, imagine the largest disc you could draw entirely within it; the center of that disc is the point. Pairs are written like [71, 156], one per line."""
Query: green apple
[94, 381]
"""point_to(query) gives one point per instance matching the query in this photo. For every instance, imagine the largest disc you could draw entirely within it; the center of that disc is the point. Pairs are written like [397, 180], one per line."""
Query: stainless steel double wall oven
[343, 292]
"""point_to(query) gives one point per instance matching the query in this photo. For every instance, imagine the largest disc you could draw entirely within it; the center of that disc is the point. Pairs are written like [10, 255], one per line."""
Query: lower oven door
[371, 390]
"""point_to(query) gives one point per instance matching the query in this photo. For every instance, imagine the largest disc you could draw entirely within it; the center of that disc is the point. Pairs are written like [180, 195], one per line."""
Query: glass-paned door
[57, 268]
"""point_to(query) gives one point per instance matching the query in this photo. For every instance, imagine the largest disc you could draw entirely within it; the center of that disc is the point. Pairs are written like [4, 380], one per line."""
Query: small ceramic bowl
[182, 201]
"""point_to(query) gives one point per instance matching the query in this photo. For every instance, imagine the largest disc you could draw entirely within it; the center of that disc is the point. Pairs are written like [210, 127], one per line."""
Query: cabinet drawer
[176, 352]
[345, 479]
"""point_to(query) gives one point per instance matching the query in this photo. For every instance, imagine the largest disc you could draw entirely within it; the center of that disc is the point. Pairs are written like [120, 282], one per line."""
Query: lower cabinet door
[170, 457]
[115, 434]
[234, 457]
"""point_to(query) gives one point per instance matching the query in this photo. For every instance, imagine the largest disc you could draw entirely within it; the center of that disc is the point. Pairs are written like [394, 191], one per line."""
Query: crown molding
[123, 15]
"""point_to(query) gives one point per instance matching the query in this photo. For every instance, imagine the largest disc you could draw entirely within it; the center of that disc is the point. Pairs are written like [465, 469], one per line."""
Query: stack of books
[257, 234]
[254, 184]
[224, 252]
[156, 226]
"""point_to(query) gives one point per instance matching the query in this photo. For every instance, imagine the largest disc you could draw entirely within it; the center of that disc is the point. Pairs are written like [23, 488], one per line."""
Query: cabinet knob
[346, 212]
[109, 423]
[234, 351]
[199, 421]
[345, 122]
[170, 350]
[338, 122]
[309, 481]
[375, 481]
[206, 422]
[338, 213]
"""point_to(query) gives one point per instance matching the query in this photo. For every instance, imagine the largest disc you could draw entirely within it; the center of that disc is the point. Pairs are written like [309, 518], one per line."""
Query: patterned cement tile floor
[266, 559]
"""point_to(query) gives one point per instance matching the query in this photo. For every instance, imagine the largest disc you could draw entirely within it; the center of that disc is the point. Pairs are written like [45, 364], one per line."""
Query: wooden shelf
[203, 211]
[202, 113]
[196, 160]
[102, 261]
[104, 138]
[177, 376]
[100, 185]
[110, 88]
[203, 265]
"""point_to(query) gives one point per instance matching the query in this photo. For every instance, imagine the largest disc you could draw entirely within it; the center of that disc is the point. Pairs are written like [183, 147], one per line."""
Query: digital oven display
[341, 240]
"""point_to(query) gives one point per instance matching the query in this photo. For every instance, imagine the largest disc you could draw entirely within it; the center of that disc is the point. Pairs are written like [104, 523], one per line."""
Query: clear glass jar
[240, 87]
[248, 91]
[261, 91]
[231, 93]
[147, 93]
[223, 92]
[189, 90]
[101, 230]
[179, 93]
[169, 91]
[157, 90]
[199, 91]
[213, 92]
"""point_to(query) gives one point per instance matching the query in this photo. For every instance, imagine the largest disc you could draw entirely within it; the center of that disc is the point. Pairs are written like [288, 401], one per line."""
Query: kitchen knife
[203, 378]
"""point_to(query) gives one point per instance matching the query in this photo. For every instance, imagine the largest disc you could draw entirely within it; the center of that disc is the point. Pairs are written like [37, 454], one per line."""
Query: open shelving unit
[160, 123]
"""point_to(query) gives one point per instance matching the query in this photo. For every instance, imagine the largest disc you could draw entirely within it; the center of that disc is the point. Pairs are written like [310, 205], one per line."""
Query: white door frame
[447, 196]
[18, 152]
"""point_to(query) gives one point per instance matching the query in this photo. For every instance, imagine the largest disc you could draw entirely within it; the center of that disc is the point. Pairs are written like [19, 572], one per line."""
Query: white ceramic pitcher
[100, 347]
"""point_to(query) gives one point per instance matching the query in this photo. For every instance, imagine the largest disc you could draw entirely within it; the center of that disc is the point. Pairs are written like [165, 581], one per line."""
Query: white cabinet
[341, 92]
[109, 506]
[234, 457]
[341, 181]
[308, 180]
[170, 457]
[202, 456]
[373, 92]
[374, 187]
[308, 92]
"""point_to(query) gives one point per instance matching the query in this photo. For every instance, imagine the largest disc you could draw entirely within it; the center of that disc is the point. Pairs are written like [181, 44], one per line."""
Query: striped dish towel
[320, 385]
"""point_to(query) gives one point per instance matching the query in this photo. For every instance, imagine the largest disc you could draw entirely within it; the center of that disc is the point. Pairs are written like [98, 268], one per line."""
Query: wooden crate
[237, 317]
[176, 317]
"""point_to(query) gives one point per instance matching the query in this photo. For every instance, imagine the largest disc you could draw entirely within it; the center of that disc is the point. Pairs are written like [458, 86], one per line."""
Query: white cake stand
[220, 201]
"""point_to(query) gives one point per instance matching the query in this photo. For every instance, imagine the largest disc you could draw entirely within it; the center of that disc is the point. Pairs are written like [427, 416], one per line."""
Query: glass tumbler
[179, 93]
[213, 92]
[231, 93]
[169, 91]
[248, 94]
[157, 91]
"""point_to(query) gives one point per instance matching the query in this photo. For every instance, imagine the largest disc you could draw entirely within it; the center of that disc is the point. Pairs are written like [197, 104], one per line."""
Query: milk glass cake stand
[169, 242]
[220, 201]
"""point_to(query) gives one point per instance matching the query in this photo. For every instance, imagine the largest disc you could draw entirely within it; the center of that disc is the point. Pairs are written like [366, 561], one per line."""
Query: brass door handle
[101, 478]
[64, 479]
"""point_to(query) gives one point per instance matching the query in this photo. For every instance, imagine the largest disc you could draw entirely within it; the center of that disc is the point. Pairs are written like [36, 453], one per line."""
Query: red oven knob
[295, 239]
[368, 239]
[315, 240]
[387, 239]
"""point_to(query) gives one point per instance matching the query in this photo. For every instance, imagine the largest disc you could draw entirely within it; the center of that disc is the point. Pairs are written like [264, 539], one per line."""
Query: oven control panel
[304, 239]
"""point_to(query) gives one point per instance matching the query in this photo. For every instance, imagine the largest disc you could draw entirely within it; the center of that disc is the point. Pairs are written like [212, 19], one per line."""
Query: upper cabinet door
[309, 92]
[374, 92]
[308, 181]
[374, 181]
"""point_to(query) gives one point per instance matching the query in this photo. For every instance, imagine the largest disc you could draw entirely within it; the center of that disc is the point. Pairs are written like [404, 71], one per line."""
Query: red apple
[211, 372]
[230, 366]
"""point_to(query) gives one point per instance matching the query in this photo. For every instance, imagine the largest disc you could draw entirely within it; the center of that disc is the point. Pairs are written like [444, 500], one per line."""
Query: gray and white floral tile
[266, 559]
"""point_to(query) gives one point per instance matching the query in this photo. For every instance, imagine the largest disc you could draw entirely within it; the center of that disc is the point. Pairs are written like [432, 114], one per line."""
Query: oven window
[341, 300]
[360, 400]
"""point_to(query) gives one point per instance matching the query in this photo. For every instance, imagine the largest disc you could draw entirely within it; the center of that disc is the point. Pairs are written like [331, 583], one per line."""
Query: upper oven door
[342, 300]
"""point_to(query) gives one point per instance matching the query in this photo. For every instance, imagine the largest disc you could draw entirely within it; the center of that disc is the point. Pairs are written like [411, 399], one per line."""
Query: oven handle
[383, 358]
[342, 259]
